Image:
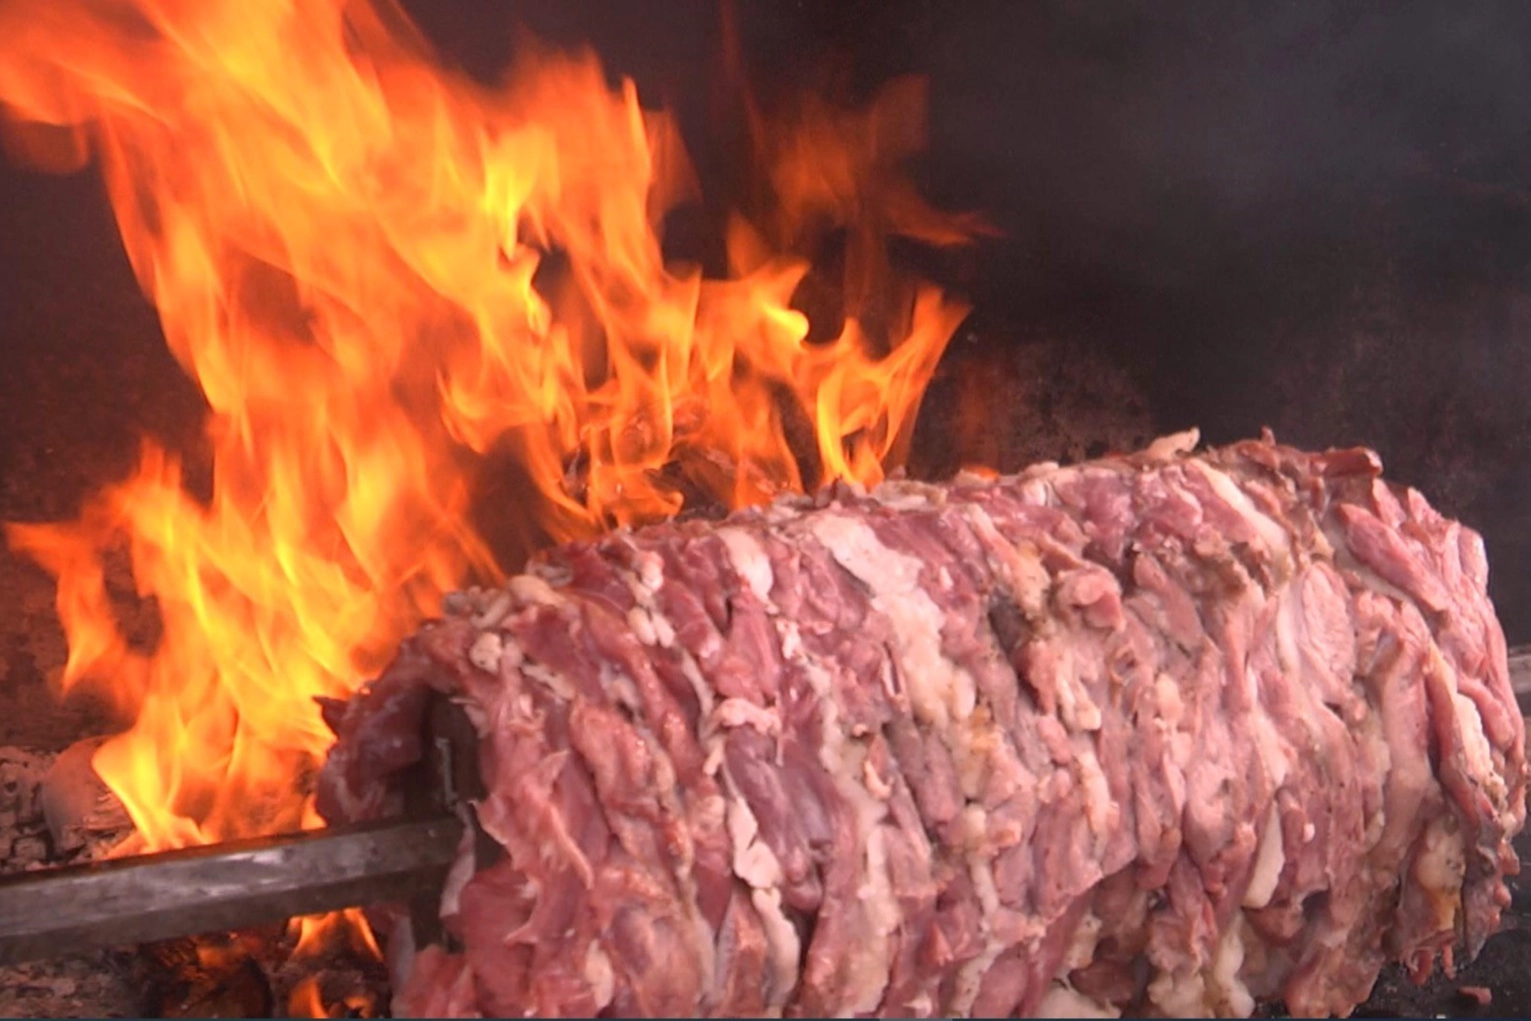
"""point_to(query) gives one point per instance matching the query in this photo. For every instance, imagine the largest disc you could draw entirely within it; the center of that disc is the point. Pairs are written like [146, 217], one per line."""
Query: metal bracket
[446, 781]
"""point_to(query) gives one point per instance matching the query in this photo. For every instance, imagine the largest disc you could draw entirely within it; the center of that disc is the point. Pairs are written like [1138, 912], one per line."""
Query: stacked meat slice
[1167, 733]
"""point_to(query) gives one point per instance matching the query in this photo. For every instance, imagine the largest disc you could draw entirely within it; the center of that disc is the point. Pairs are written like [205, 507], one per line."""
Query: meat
[1171, 733]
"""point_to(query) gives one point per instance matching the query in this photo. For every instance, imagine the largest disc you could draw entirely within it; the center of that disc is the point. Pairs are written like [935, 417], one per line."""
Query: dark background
[1312, 216]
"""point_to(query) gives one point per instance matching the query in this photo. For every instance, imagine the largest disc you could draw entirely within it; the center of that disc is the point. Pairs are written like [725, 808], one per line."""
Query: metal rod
[221, 887]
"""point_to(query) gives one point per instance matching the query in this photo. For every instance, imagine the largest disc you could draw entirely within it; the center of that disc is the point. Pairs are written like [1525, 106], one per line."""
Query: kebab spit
[718, 775]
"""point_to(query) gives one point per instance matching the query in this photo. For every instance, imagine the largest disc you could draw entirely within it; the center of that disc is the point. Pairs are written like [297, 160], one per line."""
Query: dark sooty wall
[1311, 216]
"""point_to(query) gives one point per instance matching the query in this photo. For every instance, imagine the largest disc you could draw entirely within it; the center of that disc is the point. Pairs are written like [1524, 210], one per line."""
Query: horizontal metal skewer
[221, 887]
[239, 884]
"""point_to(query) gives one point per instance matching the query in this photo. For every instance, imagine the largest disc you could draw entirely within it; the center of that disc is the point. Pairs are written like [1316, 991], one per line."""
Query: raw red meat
[1168, 733]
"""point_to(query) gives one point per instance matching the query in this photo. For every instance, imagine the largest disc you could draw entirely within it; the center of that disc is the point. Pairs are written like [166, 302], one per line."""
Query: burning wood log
[1172, 732]
[202, 978]
[85, 819]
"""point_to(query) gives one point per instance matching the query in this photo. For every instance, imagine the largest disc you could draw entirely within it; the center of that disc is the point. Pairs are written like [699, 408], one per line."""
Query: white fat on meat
[1229, 995]
[693, 673]
[970, 830]
[495, 612]
[664, 631]
[1081, 951]
[1020, 567]
[846, 762]
[553, 681]
[756, 864]
[1270, 859]
[783, 509]
[870, 962]
[642, 628]
[1440, 869]
[741, 712]
[749, 561]
[1168, 703]
[485, 651]
[1275, 537]
[463, 868]
[1076, 708]
[621, 688]
[1178, 994]
[909, 495]
[1287, 624]
[977, 745]
[1371, 741]
[667, 793]
[650, 567]
[1347, 563]
[1469, 726]
[970, 976]
[1063, 1000]
[783, 946]
[1100, 809]
[831, 737]
[753, 860]
[647, 622]
[1168, 448]
[942, 695]
[532, 590]
[875, 784]
[1273, 749]
[791, 639]
[1480, 757]
[599, 975]
[938, 689]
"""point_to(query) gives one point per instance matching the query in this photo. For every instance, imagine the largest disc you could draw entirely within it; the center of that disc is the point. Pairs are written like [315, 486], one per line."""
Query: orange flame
[318, 935]
[377, 270]
[316, 932]
[305, 999]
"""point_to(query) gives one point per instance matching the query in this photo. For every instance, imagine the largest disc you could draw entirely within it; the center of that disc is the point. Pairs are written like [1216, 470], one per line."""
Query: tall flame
[379, 271]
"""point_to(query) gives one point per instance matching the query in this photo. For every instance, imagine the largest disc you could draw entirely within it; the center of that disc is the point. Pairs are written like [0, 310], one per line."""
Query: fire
[379, 271]
[305, 1000]
[318, 935]
[315, 931]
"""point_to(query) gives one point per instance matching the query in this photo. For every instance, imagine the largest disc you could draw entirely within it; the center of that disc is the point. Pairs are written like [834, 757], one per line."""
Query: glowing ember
[352, 251]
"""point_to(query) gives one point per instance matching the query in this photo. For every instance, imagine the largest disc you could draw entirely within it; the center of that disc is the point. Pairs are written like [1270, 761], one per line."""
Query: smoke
[1310, 215]
[1130, 117]
[1315, 216]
